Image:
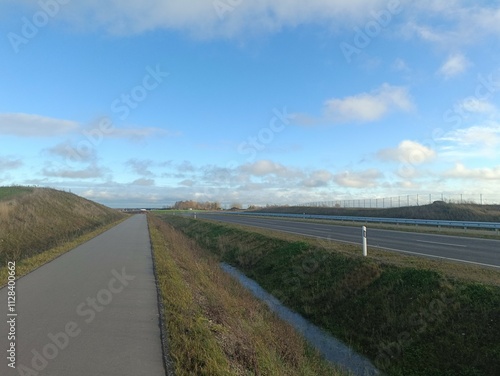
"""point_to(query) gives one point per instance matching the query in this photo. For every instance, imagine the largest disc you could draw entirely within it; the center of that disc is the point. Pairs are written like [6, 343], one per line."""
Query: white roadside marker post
[365, 244]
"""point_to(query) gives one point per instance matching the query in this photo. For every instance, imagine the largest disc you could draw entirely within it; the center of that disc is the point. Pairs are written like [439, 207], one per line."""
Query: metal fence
[410, 200]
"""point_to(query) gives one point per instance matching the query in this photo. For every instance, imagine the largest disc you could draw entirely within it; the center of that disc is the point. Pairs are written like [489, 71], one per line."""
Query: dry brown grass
[5, 210]
[35, 221]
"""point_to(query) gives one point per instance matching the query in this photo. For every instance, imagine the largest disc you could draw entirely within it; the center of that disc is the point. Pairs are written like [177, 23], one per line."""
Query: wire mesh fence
[410, 200]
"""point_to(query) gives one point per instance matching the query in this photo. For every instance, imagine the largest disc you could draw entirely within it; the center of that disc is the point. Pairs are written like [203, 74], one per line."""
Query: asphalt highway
[484, 252]
[92, 311]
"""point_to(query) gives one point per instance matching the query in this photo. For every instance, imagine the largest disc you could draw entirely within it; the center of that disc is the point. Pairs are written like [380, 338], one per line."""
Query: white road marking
[454, 245]
[400, 250]
[381, 247]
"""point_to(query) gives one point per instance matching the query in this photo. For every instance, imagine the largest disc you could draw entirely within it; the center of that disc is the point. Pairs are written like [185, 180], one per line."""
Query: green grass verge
[215, 326]
[408, 320]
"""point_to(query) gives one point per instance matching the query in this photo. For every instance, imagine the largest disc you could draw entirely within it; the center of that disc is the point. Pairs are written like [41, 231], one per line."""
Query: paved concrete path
[93, 311]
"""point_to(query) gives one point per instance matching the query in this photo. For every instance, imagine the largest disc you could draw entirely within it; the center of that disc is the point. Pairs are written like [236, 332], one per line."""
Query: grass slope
[410, 321]
[215, 326]
[34, 220]
[438, 211]
[8, 192]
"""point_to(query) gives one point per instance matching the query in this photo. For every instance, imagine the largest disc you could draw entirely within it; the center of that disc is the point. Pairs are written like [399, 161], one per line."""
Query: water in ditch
[332, 349]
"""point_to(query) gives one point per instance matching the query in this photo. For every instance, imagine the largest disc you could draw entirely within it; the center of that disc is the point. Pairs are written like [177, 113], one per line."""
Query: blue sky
[256, 102]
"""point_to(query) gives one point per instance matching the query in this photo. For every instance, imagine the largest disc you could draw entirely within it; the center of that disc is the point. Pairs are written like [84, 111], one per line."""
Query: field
[409, 316]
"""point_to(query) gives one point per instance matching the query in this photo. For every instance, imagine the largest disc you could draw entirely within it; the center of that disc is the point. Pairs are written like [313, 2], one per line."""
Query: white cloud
[71, 152]
[205, 18]
[424, 32]
[32, 125]
[488, 136]
[367, 107]
[358, 179]
[475, 141]
[138, 133]
[144, 182]
[400, 65]
[186, 166]
[7, 163]
[408, 151]
[460, 23]
[320, 178]
[455, 65]
[479, 20]
[140, 167]
[28, 125]
[475, 105]
[460, 171]
[407, 184]
[266, 167]
[187, 183]
[91, 172]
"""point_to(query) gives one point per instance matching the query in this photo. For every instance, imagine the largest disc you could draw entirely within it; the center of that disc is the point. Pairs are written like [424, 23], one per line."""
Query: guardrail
[427, 222]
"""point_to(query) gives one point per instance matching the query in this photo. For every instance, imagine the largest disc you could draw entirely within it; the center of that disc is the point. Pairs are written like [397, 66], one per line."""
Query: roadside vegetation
[38, 224]
[216, 327]
[7, 192]
[452, 231]
[408, 315]
[439, 210]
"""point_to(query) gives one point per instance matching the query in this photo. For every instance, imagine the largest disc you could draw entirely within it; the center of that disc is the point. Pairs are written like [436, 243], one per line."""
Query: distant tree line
[194, 205]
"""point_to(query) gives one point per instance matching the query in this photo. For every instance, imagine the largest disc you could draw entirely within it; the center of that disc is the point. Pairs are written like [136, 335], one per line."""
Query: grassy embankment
[215, 327]
[38, 225]
[436, 211]
[410, 316]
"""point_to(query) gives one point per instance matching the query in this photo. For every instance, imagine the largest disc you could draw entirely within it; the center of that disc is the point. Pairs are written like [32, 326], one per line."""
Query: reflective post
[365, 243]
